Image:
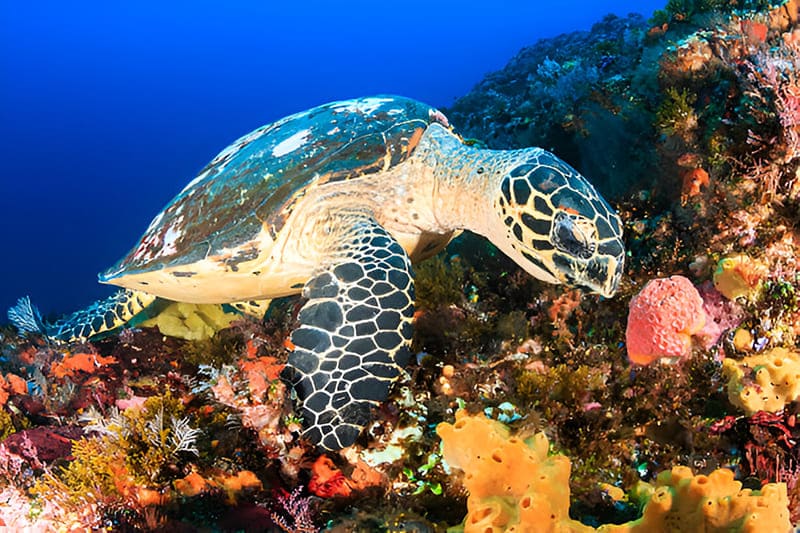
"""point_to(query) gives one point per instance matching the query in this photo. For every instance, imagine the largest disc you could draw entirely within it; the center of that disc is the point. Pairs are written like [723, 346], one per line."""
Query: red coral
[662, 319]
[327, 480]
[11, 384]
[260, 373]
[754, 31]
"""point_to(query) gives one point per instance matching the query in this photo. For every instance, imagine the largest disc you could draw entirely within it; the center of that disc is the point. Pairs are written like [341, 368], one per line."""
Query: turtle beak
[599, 275]
[606, 273]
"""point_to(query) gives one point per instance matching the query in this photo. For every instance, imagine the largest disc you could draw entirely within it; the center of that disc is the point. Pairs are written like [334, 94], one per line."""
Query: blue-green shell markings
[255, 182]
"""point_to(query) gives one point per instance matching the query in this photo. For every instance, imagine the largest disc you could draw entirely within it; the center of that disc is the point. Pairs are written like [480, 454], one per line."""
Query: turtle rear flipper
[100, 317]
[354, 334]
[253, 308]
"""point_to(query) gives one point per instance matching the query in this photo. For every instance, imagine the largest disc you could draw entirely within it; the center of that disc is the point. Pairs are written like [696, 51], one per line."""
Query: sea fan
[112, 426]
[26, 317]
[183, 437]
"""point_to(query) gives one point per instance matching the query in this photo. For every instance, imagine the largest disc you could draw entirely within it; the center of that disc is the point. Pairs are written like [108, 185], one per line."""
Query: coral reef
[689, 124]
[565, 92]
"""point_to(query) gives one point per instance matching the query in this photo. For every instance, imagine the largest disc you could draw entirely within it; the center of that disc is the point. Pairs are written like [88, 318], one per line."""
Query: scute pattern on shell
[255, 182]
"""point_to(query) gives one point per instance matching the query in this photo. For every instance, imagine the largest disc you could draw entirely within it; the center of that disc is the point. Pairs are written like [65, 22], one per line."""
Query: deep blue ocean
[107, 109]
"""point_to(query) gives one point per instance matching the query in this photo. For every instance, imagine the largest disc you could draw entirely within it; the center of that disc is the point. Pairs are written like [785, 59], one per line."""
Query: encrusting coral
[662, 319]
[514, 485]
[73, 364]
[11, 384]
[763, 382]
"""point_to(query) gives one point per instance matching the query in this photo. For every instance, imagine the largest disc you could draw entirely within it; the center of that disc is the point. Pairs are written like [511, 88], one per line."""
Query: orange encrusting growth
[693, 181]
[80, 362]
[11, 384]
[194, 484]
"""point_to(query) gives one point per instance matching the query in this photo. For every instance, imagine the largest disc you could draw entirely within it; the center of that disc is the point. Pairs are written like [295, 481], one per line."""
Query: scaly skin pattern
[533, 206]
[354, 332]
[528, 202]
[100, 317]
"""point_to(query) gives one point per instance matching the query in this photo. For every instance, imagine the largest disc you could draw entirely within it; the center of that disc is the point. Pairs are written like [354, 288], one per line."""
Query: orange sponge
[682, 502]
[514, 485]
[662, 319]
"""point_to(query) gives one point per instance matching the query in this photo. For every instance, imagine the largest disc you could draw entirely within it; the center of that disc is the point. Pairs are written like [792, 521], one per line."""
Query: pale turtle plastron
[336, 202]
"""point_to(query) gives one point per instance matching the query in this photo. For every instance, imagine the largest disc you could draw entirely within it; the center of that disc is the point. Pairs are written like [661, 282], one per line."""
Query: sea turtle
[337, 202]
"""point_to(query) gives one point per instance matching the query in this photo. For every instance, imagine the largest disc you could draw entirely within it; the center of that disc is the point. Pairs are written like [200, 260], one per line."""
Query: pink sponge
[662, 319]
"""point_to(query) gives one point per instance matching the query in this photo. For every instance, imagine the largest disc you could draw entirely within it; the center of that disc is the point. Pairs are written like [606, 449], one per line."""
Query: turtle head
[555, 225]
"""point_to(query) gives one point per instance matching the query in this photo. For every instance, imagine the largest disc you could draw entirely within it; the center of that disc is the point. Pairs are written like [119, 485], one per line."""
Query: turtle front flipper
[354, 334]
[100, 317]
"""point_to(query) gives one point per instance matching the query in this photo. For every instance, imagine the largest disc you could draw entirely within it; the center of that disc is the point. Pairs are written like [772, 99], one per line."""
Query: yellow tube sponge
[191, 321]
[514, 485]
[764, 382]
[739, 276]
[682, 502]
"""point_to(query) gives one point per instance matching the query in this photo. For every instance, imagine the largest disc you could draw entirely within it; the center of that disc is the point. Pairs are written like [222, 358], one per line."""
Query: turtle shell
[255, 182]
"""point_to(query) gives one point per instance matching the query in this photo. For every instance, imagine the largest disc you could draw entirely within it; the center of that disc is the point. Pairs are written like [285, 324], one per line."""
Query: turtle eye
[574, 235]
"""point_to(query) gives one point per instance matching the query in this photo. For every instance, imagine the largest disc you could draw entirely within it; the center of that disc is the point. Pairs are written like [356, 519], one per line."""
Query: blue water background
[108, 108]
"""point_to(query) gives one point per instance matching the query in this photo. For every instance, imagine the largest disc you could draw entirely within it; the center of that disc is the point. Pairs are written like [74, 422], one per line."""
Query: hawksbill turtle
[336, 203]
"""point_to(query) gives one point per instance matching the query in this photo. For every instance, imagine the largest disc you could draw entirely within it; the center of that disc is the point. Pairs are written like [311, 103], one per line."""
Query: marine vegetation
[673, 404]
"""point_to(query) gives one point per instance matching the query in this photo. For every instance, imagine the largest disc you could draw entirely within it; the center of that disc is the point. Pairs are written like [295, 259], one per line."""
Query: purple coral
[721, 315]
[296, 513]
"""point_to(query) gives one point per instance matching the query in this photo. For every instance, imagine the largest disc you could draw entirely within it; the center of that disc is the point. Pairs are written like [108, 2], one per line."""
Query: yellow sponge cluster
[192, 322]
[764, 382]
[515, 486]
[681, 502]
[739, 276]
